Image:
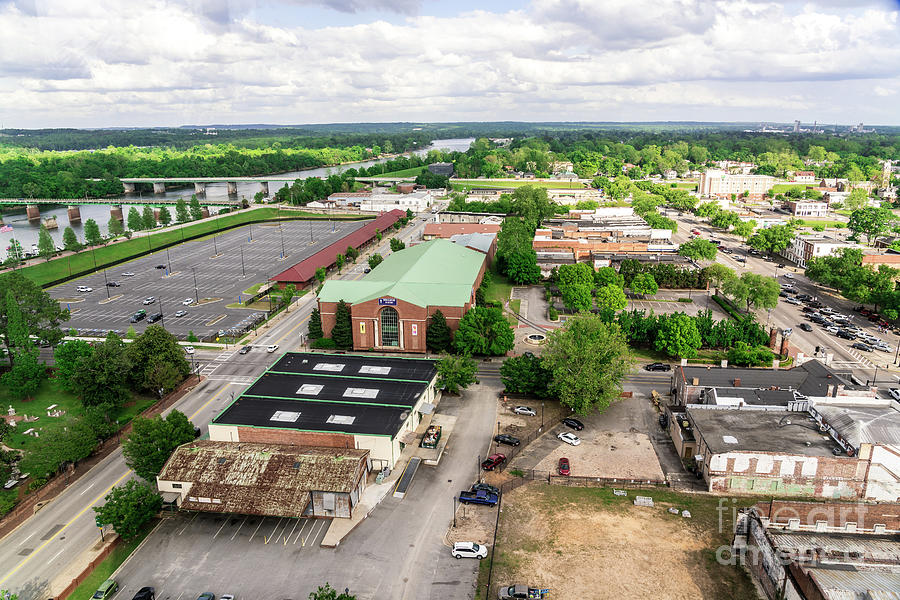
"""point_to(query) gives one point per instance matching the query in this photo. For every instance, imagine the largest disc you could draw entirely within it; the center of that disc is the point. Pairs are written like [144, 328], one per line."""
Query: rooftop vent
[341, 420]
[374, 370]
[222, 461]
[310, 389]
[331, 367]
[353, 392]
[285, 416]
[729, 439]
[297, 465]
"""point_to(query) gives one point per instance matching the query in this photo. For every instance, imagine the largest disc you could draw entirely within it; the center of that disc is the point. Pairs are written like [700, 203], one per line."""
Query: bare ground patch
[587, 543]
[622, 455]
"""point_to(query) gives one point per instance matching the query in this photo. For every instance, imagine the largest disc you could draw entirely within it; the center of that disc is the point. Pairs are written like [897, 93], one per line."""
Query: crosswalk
[239, 379]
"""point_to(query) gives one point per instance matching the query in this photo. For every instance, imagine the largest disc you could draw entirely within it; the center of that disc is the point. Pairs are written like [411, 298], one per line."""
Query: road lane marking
[199, 410]
[266, 539]
[86, 489]
[296, 522]
[257, 528]
[188, 523]
[72, 520]
[302, 527]
[224, 523]
[239, 528]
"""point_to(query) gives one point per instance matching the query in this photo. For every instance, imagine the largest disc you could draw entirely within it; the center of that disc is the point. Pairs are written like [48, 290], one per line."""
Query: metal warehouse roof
[305, 270]
[863, 425]
[260, 479]
[852, 584]
[434, 273]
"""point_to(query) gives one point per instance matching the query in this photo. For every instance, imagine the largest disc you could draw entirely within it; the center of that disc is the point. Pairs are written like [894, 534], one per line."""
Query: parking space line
[325, 522]
[257, 528]
[222, 527]
[239, 528]
[273, 531]
[288, 537]
[188, 523]
[302, 527]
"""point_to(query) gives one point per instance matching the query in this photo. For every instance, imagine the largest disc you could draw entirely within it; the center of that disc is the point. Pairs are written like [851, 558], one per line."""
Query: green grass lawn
[499, 288]
[253, 288]
[780, 188]
[515, 305]
[467, 184]
[812, 222]
[684, 185]
[109, 566]
[704, 356]
[51, 393]
[411, 172]
[45, 272]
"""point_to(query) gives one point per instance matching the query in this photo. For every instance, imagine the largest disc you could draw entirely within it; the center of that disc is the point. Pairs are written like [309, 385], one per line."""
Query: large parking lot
[222, 270]
[667, 302]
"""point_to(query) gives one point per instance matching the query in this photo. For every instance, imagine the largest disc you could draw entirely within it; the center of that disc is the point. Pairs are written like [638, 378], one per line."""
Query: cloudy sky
[96, 63]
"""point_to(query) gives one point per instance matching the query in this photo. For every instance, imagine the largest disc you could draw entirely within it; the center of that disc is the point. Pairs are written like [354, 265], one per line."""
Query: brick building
[719, 184]
[342, 401]
[391, 306]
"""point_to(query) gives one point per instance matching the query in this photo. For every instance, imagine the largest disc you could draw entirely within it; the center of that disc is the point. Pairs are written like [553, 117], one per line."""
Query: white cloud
[159, 62]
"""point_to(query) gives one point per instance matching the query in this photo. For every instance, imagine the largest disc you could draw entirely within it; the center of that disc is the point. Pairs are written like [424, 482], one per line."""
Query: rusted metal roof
[260, 479]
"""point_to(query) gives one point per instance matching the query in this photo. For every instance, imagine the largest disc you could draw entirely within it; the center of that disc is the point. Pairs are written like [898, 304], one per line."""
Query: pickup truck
[515, 592]
[479, 497]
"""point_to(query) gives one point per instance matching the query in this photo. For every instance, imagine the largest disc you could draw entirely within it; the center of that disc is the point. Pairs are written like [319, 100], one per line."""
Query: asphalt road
[222, 268]
[33, 554]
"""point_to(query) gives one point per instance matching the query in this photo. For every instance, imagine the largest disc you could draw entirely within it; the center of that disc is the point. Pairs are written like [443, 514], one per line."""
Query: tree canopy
[152, 442]
[484, 331]
[129, 507]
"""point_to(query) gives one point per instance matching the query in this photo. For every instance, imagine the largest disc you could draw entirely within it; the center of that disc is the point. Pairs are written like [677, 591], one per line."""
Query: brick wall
[835, 514]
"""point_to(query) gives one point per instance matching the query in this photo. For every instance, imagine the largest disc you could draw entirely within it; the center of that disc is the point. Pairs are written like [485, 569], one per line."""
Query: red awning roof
[305, 270]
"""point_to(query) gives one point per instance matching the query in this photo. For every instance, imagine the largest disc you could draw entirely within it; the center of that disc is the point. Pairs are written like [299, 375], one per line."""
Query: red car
[563, 467]
[695, 231]
[874, 317]
[865, 312]
[493, 461]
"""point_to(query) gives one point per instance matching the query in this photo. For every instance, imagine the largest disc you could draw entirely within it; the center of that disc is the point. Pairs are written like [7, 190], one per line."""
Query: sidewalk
[370, 498]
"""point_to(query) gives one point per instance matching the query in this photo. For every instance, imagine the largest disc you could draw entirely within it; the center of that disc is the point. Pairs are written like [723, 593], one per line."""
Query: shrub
[553, 314]
[686, 300]
[323, 344]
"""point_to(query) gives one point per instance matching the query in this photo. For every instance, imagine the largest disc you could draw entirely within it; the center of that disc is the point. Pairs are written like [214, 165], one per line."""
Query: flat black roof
[357, 365]
[336, 389]
[757, 396]
[314, 416]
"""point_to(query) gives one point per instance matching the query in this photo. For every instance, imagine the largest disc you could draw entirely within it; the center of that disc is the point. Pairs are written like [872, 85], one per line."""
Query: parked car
[562, 466]
[865, 312]
[859, 308]
[787, 332]
[226, 597]
[505, 438]
[525, 410]
[146, 593]
[106, 590]
[740, 259]
[180, 314]
[128, 274]
[367, 270]
[573, 423]
[139, 315]
[658, 366]
[789, 275]
[805, 326]
[569, 438]
[84, 288]
[845, 334]
[895, 393]
[883, 347]
[113, 284]
[271, 348]
[792, 301]
[493, 461]
[187, 301]
[520, 592]
[479, 497]
[804, 297]
[206, 596]
[245, 349]
[189, 349]
[468, 550]
[154, 318]
[861, 346]
[832, 329]
[695, 231]
[149, 300]
[486, 487]
[160, 266]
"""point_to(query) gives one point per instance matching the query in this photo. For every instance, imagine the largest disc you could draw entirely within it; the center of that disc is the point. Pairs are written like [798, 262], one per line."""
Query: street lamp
[196, 294]
[243, 274]
[542, 416]
[168, 263]
[107, 284]
[162, 319]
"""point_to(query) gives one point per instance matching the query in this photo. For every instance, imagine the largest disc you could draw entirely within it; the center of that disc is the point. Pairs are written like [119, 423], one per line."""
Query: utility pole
[196, 294]
[243, 274]
[107, 284]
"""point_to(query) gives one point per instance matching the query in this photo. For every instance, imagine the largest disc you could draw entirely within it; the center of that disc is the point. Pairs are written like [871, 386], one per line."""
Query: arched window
[390, 327]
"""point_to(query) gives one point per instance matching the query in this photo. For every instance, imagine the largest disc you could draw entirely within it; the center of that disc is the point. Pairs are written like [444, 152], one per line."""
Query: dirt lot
[623, 455]
[588, 543]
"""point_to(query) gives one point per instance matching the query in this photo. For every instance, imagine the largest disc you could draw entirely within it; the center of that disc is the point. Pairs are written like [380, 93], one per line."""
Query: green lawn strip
[704, 356]
[109, 565]
[467, 184]
[254, 288]
[411, 172]
[813, 222]
[711, 524]
[45, 272]
[499, 289]
[683, 185]
[515, 305]
[780, 188]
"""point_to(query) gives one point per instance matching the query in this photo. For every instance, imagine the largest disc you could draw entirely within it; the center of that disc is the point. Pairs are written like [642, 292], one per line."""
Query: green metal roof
[435, 273]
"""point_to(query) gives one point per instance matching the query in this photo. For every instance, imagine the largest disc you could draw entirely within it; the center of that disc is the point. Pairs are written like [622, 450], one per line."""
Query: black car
[160, 266]
[740, 259]
[154, 318]
[138, 316]
[486, 487]
[808, 309]
[505, 438]
[658, 367]
[115, 284]
[145, 593]
[847, 335]
[861, 346]
[245, 350]
[367, 270]
[805, 326]
[573, 423]
[804, 297]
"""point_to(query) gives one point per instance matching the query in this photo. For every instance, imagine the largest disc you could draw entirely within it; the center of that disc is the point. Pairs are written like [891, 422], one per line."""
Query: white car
[468, 550]
[84, 288]
[272, 348]
[525, 410]
[883, 347]
[227, 597]
[569, 438]
[832, 329]
[128, 274]
[792, 301]
[188, 301]
[789, 275]
[189, 349]
[895, 393]
[787, 332]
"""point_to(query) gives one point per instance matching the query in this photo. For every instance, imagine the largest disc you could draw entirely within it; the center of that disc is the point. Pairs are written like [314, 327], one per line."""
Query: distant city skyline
[110, 63]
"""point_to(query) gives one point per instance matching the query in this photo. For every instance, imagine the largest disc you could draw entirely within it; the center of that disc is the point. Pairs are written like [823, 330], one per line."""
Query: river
[27, 232]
